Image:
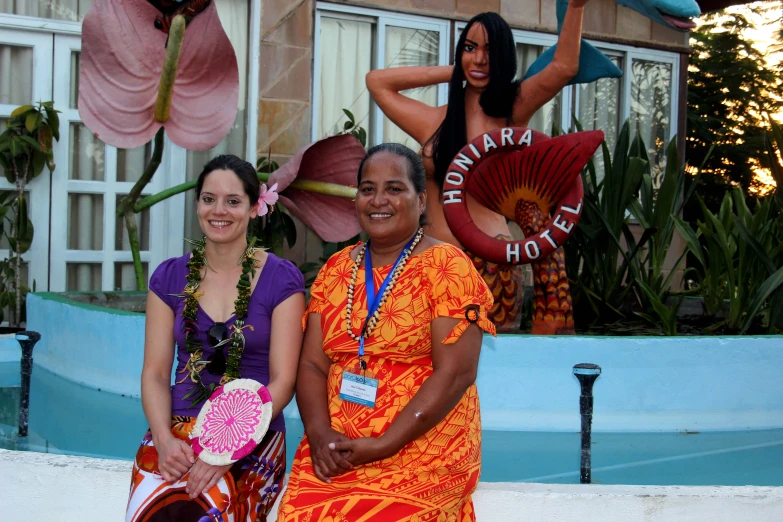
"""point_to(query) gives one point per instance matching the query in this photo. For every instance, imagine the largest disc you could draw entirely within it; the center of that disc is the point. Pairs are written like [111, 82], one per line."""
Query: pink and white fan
[232, 422]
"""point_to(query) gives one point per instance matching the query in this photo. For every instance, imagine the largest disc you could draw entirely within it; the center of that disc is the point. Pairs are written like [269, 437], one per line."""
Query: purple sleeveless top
[278, 281]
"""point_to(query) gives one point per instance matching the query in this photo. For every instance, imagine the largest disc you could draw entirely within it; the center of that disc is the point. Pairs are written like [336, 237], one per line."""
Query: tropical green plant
[774, 143]
[351, 127]
[653, 210]
[25, 148]
[741, 261]
[597, 261]
[665, 318]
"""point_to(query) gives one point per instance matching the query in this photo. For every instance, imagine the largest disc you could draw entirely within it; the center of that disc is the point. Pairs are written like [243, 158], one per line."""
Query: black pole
[586, 374]
[27, 340]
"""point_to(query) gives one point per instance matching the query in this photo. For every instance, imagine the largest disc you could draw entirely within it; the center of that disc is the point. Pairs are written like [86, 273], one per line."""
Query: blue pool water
[68, 418]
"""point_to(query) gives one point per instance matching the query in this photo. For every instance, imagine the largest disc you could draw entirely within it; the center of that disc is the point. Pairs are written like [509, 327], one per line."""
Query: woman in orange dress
[395, 434]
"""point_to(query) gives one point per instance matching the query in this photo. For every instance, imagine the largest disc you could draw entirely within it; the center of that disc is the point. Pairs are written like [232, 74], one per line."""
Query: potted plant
[25, 149]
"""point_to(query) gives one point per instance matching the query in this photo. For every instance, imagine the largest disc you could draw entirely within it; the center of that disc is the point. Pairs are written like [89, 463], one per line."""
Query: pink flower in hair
[268, 197]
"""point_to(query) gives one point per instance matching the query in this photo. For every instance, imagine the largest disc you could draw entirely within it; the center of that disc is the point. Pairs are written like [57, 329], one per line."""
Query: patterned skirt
[246, 493]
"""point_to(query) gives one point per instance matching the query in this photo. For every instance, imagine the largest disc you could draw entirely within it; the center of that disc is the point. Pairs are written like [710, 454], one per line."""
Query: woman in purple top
[169, 483]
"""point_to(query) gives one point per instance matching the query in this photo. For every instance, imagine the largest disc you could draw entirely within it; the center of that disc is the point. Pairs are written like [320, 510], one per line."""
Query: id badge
[359, 387]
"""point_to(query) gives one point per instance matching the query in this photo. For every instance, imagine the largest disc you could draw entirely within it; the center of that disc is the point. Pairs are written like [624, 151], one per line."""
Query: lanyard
[373, 299]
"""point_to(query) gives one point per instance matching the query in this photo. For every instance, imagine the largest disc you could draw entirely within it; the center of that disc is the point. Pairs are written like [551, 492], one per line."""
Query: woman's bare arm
[284, 349]
[311, 397]
[537, 90]
[454, 370]
[415, 118]
[175, 456]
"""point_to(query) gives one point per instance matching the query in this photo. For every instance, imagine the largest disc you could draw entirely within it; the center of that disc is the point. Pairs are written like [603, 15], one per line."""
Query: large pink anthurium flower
[333, 160]
[123, 51]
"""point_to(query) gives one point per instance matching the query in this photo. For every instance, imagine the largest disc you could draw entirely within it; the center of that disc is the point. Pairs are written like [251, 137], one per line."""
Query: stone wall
[284, 85]
[285, 77]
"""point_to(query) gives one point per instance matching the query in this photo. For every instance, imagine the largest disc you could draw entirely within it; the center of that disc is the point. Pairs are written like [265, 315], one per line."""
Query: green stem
[20, 184]
[126, 207]
[169, 74]
[133, 236]
[129, 201]
[318, 187]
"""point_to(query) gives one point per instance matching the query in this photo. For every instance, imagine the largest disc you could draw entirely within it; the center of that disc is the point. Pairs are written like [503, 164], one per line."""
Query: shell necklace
[372, 322]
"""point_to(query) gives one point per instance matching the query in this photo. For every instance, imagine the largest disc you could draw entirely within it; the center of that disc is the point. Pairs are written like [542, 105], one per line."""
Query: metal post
[586, 374]
[27, 340]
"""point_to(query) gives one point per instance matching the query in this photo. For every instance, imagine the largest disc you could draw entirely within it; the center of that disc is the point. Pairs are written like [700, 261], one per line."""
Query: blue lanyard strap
[373, 299]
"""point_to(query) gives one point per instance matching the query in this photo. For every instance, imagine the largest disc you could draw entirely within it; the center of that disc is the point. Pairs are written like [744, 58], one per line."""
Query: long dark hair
[416, 172]
[496, 101]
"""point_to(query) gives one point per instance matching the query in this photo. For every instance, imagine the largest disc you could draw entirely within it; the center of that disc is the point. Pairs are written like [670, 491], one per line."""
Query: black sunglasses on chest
[217, 337]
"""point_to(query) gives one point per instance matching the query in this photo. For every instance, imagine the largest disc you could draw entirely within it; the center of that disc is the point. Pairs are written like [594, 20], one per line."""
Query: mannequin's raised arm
[537, 90]
[415, 118]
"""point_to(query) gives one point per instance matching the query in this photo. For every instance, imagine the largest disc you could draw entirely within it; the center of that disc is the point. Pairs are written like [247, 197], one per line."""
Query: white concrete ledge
[38, 486]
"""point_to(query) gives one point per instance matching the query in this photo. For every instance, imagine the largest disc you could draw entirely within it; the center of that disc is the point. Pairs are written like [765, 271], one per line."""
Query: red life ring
[556, 160]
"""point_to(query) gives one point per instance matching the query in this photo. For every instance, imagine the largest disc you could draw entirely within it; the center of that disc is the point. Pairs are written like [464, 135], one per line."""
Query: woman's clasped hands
[176, 458]
[333, 453]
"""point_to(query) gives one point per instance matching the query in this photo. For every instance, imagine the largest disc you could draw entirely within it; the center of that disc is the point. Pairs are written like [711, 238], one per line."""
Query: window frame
[48, 257]
[63, 185]
[630, 53]
[381, 19]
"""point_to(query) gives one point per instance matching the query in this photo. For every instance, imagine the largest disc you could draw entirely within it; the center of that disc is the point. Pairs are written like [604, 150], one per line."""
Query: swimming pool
[66, 417]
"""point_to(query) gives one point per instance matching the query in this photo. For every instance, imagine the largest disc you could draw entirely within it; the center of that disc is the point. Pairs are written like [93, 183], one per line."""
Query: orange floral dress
[433, 477]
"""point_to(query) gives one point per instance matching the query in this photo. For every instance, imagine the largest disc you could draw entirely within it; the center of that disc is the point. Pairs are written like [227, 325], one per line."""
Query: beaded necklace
[372, 322]
[236, 340]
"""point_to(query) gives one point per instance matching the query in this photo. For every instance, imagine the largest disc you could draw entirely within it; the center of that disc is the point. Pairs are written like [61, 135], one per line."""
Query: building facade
[301, 63]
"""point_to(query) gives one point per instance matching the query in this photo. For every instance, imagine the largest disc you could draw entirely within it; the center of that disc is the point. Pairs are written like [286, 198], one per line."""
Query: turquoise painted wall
[91, 345]
[525, 382]
[9, 348]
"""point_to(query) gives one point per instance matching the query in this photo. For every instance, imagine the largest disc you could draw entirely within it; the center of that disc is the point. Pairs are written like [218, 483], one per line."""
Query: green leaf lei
[236, 341]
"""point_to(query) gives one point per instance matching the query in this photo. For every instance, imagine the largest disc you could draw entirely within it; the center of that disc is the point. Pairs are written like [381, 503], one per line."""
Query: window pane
[409, 47]
[85, 222]
[121, 241]
[125, 276]
[346, 53]
[87, 154]
[76, 63]
[16, 74]
[234, 16]
[651, 86]
[132, 162]
[599, 109]
[83, 277]
[550, 113]
[71, 10]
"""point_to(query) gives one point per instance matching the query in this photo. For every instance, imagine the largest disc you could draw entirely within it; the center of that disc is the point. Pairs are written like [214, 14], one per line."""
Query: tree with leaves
[730, 88]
